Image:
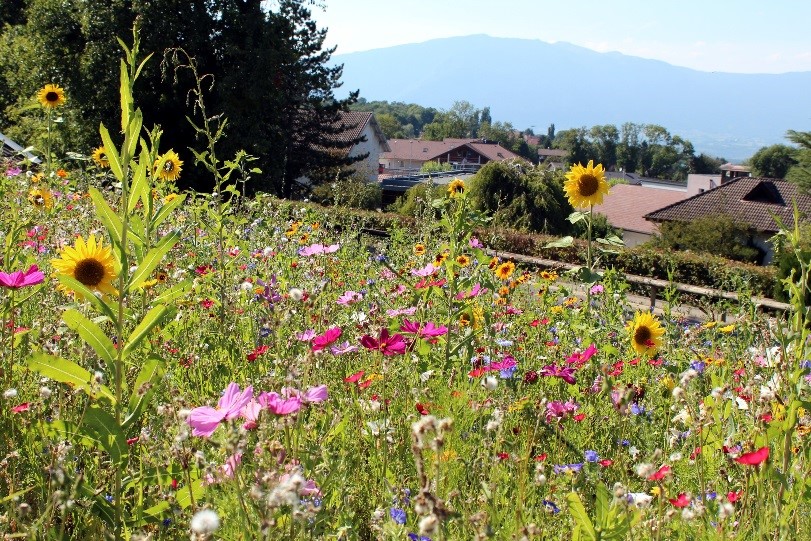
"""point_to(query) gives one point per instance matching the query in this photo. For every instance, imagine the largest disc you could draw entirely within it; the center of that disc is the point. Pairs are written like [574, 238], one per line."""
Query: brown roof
[552, 152]
[752, 200]
[416, 149]
[352, 124]
[626, 205]
[733, 167]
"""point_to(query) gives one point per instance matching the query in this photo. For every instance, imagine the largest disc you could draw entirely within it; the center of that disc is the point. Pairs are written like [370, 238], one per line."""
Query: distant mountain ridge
[531, 83]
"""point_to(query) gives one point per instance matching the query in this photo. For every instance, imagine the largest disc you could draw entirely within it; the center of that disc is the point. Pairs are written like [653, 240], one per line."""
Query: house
[554, 158]
[408, 155]
[626, 205]
[11, 150]
[755, 201]
[373, 143]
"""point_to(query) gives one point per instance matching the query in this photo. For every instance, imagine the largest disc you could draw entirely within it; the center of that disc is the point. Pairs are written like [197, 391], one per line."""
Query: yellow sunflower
[89, 263]
[585, 186]
[51, 96]
[456, 187]
[41, 198]
[419, 249]
[505, 270]
[168, 166]
[462, 260]
[646, 333]
[440, 258]
[100, 157]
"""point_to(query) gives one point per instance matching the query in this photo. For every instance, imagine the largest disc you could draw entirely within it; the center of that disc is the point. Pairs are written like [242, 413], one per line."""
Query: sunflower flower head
[88, 262]
[100, 157]
[456, 188]
[585, 186]
[41, 198]
[51, 96]
[505, 270]
[168, 166]
[645, 333]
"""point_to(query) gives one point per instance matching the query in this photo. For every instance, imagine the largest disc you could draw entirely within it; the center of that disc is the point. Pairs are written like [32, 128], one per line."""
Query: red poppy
[606, 462]
[541, 457]
[21, 408]
[695, 453]
[503, 456]
[733, 496]
[422, 408]
[660, 474]
[683, 500]
[579, 417]
[754, 458]
[354, 378]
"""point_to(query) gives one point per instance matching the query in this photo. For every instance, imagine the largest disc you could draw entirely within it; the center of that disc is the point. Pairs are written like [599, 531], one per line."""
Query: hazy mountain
[531, 83]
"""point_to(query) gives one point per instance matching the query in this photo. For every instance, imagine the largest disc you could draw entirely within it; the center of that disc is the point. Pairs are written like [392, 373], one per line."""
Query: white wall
[697, 184]
[367, 167]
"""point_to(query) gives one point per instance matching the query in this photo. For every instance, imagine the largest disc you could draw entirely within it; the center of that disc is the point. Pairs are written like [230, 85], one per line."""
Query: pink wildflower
[323, 340]
[580, 359]
[564, 373]
[349, 298]
[313, 395]
[385, 343]
[205, 419]
[427, 270]
[279, 405]
[18, 279]
[427, 330]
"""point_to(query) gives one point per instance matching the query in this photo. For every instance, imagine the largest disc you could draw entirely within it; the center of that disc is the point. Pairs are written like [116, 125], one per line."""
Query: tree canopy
[270, 76]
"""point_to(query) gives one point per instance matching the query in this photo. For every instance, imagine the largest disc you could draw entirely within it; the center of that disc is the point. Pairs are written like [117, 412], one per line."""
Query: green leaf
[580, 517]
[196, 489]
[131, 136]
[601, 506]
[101, 507]
[166, 210]
[176, 291]
[88, 294]
[70, 373]
[144, 388]
[577, 216]
[152, 318]
[152, 259]
[565, 242]
[114, 225]
[92, 335]
[112, 153]
[126, 95]
[110, 435]
[140, 185]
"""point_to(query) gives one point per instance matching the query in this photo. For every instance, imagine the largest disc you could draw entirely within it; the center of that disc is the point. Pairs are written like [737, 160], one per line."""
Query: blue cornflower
[397, 515]
[550, 506]
[591, 456]
[698, 366]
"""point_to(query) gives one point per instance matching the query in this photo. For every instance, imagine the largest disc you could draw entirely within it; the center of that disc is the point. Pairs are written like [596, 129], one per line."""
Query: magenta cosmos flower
[386, 344]
[427, 330]
[205, 419]
[18, 279]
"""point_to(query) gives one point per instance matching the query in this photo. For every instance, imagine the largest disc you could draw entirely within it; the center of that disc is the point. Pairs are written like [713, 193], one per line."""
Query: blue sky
[741, 36]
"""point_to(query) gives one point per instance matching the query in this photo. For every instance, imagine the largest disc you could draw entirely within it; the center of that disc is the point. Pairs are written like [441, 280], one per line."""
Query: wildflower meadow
[212, 366]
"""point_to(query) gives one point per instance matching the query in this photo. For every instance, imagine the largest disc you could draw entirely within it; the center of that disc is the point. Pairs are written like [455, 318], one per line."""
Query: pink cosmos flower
[475, 291]
[230, 467]
[323, 340]
[580, 359]
[318, 249]
[427, 330]
[279, 405]
[205, 419]
[558, 410]
[410, 311]
[251, 414]
[427, 270]
[343, 348]
[349, 298]
[564, 373]
[306, 336]
[18, 279]
[386, 344]
[314, 395]
[475, 243]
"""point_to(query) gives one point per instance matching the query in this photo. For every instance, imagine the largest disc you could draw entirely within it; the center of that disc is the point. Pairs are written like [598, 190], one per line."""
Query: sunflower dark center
[642, 335]
[588, 185]
[168, 167]
[51, 96]
[90, 272]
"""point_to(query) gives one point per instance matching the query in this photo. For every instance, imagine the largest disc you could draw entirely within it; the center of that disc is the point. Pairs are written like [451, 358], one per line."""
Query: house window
[701, 190]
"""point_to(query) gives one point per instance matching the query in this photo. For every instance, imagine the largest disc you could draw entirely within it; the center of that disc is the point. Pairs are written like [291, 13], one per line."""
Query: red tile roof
[626, 205]
[752, 200]
[352, 124]
[418, 150]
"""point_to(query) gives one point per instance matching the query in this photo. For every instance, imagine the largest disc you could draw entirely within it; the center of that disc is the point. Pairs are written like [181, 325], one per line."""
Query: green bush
[353, 191]
[786, 262]
[417, 199]
[521, 197]
[719, 235]
[435, 167]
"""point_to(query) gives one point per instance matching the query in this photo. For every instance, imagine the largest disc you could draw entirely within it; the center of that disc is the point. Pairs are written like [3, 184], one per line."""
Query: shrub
[719, 235]
[417, 199]
[352, 192]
